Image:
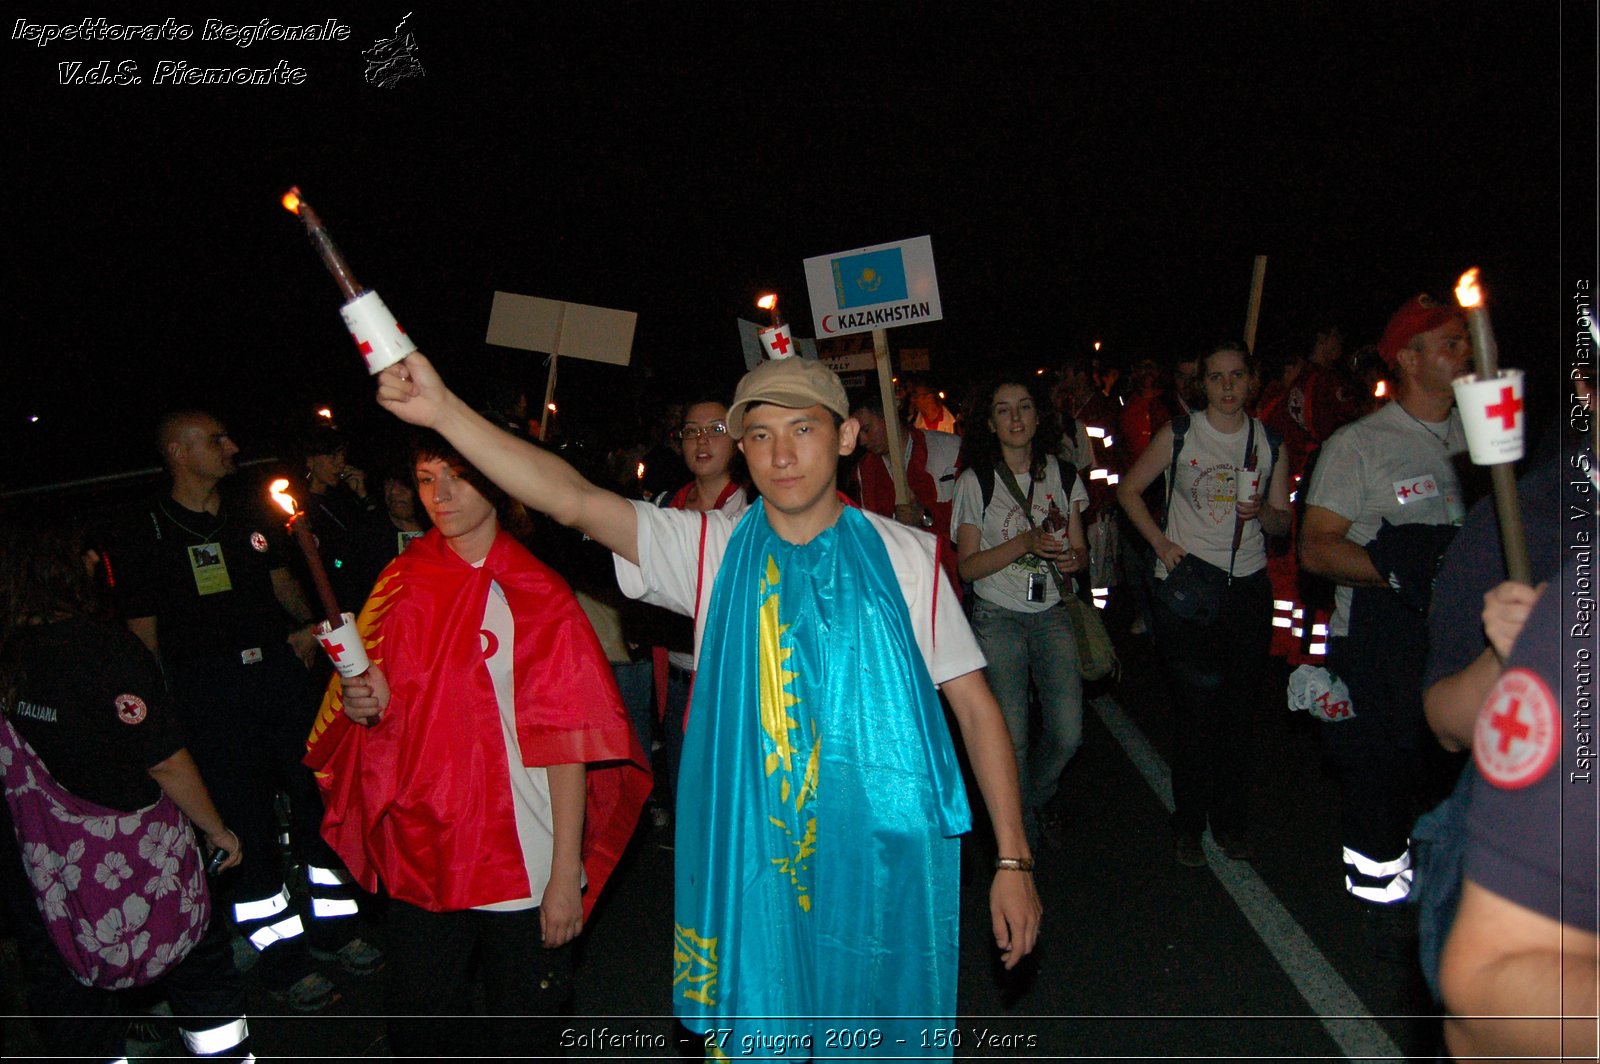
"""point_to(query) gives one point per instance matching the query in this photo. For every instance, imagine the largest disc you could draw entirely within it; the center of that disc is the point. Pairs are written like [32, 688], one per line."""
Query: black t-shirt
[92, 707]
[207, 579]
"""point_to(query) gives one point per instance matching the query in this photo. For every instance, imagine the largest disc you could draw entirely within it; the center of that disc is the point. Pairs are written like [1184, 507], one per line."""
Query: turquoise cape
[819, 804]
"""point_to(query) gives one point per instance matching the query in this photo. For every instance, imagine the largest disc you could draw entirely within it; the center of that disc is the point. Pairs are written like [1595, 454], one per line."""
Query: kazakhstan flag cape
[817, 863]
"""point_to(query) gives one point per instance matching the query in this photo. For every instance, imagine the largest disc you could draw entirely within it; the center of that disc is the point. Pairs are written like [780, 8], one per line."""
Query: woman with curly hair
[104, 881]
[1018, 527]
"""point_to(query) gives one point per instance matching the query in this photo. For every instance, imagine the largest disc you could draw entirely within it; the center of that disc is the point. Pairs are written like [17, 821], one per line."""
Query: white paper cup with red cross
[778, 342]
[1493, 416]
[344, 647]
[378, 336]
[1249, 483]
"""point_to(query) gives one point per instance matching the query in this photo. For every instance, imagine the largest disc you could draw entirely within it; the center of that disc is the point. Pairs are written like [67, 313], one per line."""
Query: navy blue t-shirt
[1533, 814]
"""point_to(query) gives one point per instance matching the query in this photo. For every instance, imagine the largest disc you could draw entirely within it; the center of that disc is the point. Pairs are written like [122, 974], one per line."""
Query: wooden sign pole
[891, 417]
[1257, 280]
[550, 382]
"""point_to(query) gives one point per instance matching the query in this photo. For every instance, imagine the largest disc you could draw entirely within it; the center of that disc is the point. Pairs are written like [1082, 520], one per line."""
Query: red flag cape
[422, 801]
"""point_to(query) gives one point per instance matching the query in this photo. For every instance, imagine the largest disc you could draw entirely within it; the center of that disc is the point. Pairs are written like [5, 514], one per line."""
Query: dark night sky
[1086, 172]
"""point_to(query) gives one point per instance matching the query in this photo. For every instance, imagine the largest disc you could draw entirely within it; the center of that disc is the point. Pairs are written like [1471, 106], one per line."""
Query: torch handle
[331, 258]
[1512, 538]
[319, 575]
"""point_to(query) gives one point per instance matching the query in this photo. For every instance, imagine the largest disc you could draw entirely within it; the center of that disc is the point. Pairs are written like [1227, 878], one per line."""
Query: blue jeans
[1037, 647]
[636, 683]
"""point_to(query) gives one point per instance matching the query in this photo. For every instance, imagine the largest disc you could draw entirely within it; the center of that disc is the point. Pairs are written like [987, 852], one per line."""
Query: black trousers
[432, 959]
[247, 726]
[1213, 676]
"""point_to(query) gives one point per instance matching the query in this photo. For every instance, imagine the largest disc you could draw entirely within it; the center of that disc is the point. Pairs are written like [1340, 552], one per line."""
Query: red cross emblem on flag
[1506, 409]
[1518, 732]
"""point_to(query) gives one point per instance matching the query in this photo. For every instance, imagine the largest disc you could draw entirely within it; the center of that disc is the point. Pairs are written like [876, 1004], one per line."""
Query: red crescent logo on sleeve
[131, 709]
[1518, 732]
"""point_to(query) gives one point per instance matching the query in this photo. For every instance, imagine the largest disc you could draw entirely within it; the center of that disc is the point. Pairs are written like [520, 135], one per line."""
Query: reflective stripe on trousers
[1379, 882]
[215, 1040]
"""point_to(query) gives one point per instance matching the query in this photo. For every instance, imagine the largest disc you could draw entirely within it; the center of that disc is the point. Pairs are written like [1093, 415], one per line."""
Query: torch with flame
[279, 490]
[379, 337]
[1486, 360]
[1486, 353]
[337, 631]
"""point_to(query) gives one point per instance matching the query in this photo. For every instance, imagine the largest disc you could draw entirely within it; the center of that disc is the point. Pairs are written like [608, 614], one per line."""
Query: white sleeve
[941, 630]
[1077, 495]
[670, 563]
[955, 649]
[967, 508]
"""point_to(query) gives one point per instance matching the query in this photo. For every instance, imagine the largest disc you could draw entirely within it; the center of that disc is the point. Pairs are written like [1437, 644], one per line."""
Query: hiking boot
[358, 957]
[312, 993]
[1188, 851]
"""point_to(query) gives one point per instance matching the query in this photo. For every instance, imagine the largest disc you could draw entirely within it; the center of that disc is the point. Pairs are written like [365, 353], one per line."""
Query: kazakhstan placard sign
[878, 287]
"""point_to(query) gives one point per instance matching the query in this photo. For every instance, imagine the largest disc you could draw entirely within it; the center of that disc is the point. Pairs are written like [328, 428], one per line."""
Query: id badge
[1035, 587]
[210, 568]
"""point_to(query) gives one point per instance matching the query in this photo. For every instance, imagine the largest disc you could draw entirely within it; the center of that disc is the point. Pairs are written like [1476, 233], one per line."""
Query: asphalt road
[1141, 958]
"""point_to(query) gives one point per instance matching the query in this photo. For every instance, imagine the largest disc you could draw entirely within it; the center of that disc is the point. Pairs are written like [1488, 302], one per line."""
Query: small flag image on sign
[872, 277]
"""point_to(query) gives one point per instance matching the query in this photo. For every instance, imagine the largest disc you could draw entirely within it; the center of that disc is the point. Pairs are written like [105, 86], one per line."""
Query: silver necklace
[1443, 440]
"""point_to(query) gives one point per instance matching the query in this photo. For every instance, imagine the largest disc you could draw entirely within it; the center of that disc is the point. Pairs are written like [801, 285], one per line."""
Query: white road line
[1343, 1016]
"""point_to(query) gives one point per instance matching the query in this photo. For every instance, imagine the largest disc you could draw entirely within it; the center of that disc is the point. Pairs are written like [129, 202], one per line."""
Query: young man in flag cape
[817, 859]
[496, 785]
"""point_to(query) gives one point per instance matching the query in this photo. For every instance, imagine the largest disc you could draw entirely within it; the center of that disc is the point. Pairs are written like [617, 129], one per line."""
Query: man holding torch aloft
[1384, 502]
[818, 775]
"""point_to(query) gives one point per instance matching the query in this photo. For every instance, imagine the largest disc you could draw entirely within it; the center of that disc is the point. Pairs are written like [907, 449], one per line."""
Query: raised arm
[413, 391]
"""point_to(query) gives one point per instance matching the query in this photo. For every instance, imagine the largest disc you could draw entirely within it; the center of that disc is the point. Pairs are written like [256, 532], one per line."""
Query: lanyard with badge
[206, 563]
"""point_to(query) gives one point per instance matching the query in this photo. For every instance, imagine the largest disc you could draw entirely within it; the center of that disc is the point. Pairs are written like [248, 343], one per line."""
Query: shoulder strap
[1180, 428]
[986, 486]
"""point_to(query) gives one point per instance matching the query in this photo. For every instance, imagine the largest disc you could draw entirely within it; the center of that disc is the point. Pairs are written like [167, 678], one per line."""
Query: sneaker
[1236, 844]
[1187, 849]
[313, 993]
[358, 957]
[659, 815]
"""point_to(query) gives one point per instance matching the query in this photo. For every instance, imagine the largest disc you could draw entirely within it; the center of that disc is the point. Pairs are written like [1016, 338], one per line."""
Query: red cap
[1421, 313]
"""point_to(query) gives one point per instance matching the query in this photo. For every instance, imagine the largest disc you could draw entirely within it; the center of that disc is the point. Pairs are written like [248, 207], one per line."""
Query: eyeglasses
[714, 429]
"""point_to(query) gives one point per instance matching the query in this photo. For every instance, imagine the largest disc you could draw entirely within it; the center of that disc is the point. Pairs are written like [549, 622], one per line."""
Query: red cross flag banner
[777, 342]
[1492, 415]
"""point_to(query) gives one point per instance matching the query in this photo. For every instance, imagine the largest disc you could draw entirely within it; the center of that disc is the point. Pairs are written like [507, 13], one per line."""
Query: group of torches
[382, 343]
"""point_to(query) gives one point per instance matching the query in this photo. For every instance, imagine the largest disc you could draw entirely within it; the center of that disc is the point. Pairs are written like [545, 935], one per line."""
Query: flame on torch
[1380, 389]
[1468, 294]
[279, 490]
[291, 200]
[638, 471]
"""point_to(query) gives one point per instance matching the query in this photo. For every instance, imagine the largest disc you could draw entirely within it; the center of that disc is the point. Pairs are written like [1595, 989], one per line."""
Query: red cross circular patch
[131, 709]
[259, 542]
[1518, 732]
